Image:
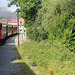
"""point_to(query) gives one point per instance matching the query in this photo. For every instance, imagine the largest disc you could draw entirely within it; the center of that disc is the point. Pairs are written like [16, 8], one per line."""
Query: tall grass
[52, 58]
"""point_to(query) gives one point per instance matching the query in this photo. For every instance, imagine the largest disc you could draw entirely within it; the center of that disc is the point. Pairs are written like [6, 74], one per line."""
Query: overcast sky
[4, 4]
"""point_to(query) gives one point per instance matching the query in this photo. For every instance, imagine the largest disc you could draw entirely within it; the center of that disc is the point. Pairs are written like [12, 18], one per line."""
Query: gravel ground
[7, 58]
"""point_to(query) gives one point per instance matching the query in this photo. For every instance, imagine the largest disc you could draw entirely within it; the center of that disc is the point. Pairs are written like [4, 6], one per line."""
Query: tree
[28, 8]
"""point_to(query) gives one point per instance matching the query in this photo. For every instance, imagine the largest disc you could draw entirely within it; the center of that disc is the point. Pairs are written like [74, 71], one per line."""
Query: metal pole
[18, 28]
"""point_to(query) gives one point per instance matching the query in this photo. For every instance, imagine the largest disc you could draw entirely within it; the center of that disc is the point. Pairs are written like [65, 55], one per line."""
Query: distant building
[21, 24]
[4, 21]
[14, 21]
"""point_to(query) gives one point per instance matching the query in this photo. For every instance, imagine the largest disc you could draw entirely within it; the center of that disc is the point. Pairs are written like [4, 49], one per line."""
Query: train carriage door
[6, 30]
[12, 29]
[16, 29]
[0, 31]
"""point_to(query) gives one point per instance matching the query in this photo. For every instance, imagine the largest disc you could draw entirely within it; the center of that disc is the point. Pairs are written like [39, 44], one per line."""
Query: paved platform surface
[9, 65]
[7, 58]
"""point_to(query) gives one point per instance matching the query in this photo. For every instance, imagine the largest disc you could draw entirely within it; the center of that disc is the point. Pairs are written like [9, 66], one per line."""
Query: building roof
[4, 21]
[13, 20]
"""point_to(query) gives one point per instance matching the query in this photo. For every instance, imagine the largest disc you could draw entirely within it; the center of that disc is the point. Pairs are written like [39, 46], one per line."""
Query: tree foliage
[28, 8]
[49, 19]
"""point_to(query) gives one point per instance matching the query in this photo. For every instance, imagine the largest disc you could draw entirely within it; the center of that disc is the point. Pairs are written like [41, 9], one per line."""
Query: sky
[4, 6]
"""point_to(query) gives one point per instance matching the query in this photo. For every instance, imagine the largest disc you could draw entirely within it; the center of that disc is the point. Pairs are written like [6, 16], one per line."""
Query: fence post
[0, 31]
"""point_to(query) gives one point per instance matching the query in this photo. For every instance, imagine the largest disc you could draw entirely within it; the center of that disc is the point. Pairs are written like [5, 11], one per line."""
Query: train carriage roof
[7, 24]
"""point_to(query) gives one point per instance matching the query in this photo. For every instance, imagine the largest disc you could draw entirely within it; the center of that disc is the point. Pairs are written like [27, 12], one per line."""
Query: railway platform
[8, 53]
[10, 59]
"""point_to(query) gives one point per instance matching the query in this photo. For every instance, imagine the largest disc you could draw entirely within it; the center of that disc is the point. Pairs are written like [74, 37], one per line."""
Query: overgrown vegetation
[50, 57]
[49, 19]
[51, 23]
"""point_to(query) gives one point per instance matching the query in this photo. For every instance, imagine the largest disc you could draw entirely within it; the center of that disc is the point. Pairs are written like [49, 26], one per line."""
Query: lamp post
[18, 10]
[25, 21]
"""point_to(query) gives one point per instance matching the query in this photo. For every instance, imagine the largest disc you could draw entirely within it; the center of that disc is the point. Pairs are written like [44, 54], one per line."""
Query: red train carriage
[7, 30]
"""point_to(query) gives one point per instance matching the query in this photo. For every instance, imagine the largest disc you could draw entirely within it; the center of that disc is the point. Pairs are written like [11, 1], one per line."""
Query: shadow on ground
[25, 69]
[9, 65]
